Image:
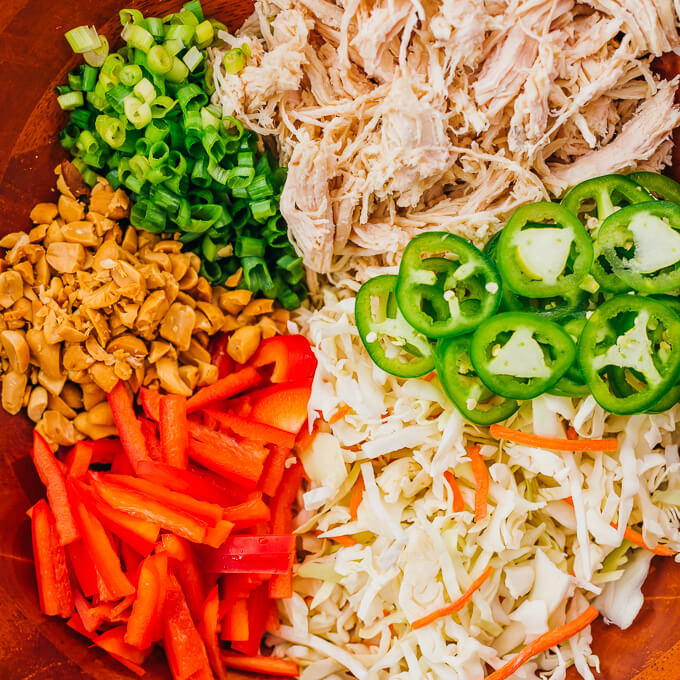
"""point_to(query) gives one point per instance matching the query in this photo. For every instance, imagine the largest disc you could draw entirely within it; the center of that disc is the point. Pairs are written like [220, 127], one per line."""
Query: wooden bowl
[36, 58]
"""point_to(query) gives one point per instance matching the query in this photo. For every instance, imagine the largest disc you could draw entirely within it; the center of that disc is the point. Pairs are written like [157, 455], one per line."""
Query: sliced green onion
[240, 177]
[89, 78]
[97, 56]
[116, 97]
[209, 118]
[208, 80]
[158, 154]
[147, 216]
[130, 75]
[232, 128]
[245, 159]
[193, 122]
[205, 34]
[173, 47]
[87, 142]
[89, 177]
[111, 130]
[192, 58]
[293, 268]
[145, 90]
[209, 249]
[81, 118]
[245, 48]
[138, 37]
[137, 112]
[248, 246]
[156, 28]
[159, 60]
[193, 145]
[182, 32]
[96, 100]
[70, 100]
[179, 71]
[134, 184]
[142, 146]
[289, 299]
[130, 16]
[75, 80]
[217, 172]
[218, 25]
[234, 61]
[203, 217]
[165, 199]
[157, 130]
[140, 166]
[260, 187]
[159, 174]
[256, 274]
[191, 97]
[112, 66]
[161, 106]
[194, 6]
[83, 39]
[177, 163]
[261, 210]
[213, 144]
[199, 173]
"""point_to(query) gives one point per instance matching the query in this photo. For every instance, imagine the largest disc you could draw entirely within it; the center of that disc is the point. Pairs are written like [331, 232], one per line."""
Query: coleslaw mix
[549, 534]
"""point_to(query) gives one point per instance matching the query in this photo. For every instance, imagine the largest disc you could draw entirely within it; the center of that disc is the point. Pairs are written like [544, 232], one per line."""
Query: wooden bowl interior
[35, 57]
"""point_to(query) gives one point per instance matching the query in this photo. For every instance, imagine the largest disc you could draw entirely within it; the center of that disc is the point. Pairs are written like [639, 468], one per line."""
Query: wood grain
[34, 57]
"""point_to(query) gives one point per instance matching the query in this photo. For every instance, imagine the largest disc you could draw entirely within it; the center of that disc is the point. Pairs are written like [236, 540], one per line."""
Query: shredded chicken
[397, 116]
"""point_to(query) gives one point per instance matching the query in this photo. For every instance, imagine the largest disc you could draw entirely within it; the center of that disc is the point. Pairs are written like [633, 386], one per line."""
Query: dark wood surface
[33, 58]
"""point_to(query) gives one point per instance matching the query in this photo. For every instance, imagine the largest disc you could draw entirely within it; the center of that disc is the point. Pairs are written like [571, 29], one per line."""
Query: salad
[351, 340]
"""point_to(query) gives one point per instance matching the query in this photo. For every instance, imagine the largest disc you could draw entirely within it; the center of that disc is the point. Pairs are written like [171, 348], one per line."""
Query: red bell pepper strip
[54, 586]
[243, 450]
[173, 428]
[113, 642]
[91, 621]
[208, 631]
[252, 555]
[240, 462]
[145, 622]
[248, 513]
[184, 647]
[217, 535]
[227, 387]
[52, 476]
[235, 624]
[305, 437]
[153, 443]
[282, 503]
[79, 458]
[274, 468]
[129, 428]
[83, 568]
[185, 567]
[267, 665]
[130, 558]
[258, 609]
[208, 512]
[137, 533]
[150, 401]
[284, 406]
[239, 586]
[273, 623]
[259, 432]
[100, 548]
[103, 450]
[281, 585]
[220, 355]
[291, 355]
[144, 507]
[121, 464]
[200, 484]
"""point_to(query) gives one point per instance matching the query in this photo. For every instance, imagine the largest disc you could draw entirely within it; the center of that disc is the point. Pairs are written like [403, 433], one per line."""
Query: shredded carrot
[346, 541]
[481, 482]
[355, 498]
[430, 376]
[572, 433]
[553, 443]
[454, 606]
[635, 537]
[339, 414]
[458, 502]
[545, 642]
